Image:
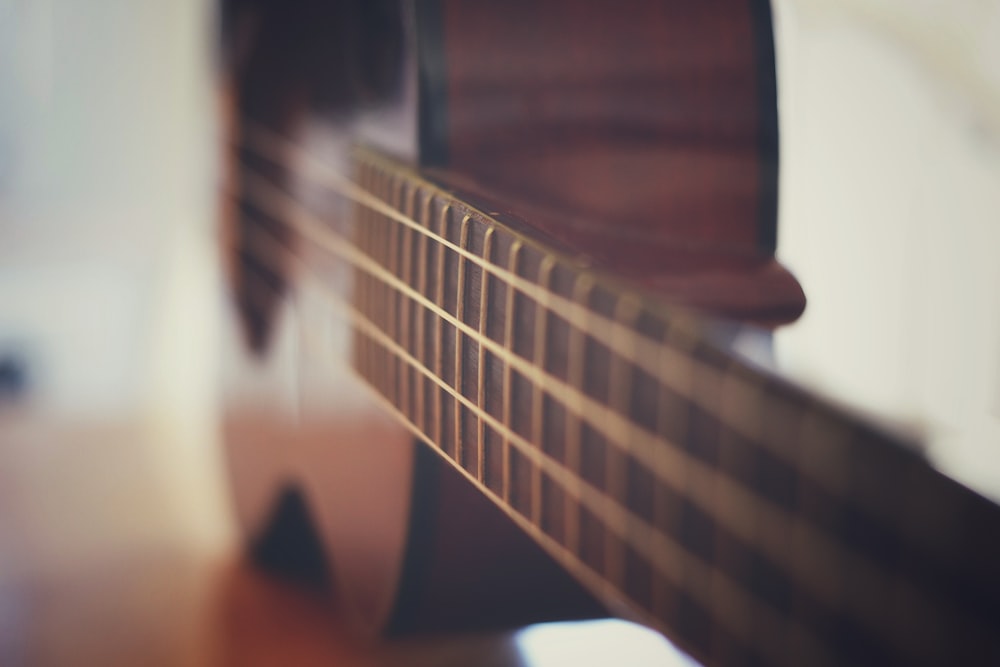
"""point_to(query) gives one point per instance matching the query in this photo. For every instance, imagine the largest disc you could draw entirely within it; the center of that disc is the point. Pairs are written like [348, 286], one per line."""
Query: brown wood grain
[640, 135]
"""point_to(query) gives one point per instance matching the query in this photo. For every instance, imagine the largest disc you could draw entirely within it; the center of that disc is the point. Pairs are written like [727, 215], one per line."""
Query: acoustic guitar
[494, 266]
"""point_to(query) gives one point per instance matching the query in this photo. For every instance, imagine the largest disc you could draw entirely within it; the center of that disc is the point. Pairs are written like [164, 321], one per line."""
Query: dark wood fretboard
[749, 520]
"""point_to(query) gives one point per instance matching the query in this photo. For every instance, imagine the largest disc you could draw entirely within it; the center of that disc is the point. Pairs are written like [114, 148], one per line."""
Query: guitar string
[596, 413]
[670, 366]
[459, 357]
[820, 458]
[742, 512]
[405, 332]
[740, 612]
[745, 514]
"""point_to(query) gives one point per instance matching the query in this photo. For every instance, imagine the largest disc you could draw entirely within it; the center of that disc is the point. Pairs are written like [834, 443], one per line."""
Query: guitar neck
[681, 484]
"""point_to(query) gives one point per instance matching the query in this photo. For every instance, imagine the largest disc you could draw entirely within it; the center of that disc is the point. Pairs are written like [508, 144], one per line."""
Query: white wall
[890, 214]
[108, 281]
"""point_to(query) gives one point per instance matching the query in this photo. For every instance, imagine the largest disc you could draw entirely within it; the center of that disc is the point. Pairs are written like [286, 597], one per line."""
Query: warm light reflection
[605, 642]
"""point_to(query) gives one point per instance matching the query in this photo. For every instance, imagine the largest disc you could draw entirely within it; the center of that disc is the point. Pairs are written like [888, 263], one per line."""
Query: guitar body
[479, 253]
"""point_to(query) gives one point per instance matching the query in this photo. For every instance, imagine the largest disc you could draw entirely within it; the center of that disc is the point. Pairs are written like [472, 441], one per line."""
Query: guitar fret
[459, 337]
[449, 335]
[538, 403]
[666, 505]
[393, 302]
[483, 314]
[366, 233]
[385, 304]
[512, 266]
[405, 335]
[582, 287]
[422, 314]
[438, 353]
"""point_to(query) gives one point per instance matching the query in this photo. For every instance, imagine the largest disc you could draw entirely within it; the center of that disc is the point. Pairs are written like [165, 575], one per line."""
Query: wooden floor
[171, 610]
[102, 564]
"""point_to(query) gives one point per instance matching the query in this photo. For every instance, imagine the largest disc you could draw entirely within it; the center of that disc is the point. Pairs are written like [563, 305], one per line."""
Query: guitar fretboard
[747, 519]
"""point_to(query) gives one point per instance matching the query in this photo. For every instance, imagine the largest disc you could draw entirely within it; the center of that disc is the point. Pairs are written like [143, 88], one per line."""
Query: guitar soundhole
[289, 546]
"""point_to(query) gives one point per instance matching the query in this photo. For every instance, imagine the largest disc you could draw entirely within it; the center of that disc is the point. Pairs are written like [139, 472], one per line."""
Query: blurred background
[109, 294]
[890, 215]
[112, 305]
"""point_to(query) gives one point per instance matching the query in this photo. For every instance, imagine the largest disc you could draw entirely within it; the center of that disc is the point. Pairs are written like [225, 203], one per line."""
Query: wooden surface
[157, 610]
[161, 611]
